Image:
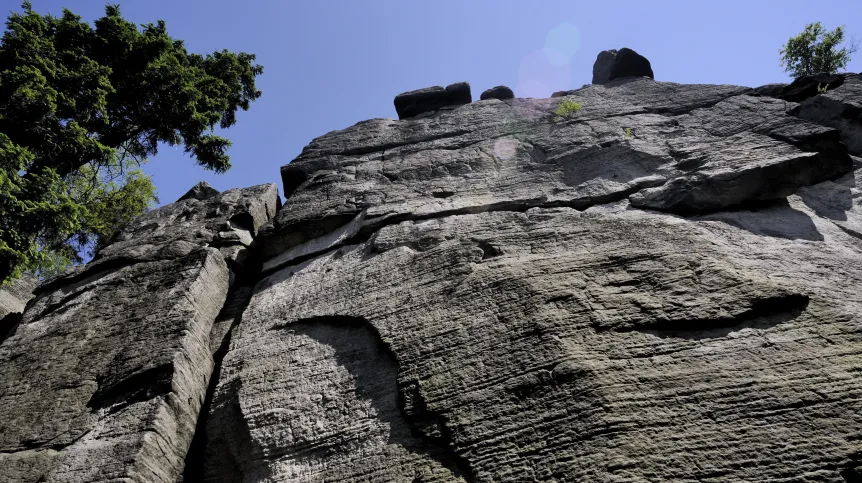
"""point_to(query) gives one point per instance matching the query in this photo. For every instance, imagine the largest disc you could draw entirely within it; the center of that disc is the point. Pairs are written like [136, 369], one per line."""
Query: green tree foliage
[816, 51]
[81, 109]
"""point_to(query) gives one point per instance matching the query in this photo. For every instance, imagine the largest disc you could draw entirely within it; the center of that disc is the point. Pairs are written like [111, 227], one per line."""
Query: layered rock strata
[104, 376]
[661, 286]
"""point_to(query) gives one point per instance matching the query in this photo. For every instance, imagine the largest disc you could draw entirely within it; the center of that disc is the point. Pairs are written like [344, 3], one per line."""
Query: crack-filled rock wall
[662, 285]
[105, 373]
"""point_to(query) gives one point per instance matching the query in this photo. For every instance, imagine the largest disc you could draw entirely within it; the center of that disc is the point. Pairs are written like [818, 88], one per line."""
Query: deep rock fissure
[778, 309]
[235, 304]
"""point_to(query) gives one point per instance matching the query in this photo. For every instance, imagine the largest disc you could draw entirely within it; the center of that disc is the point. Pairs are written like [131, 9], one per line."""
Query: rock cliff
[661, 286]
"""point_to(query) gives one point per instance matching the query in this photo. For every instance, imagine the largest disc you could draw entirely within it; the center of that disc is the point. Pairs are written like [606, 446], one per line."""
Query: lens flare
[538, 77]
[561, 44]
[504, 149]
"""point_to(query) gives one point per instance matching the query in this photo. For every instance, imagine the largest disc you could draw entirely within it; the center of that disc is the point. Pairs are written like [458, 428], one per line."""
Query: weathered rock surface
[555, 345]
[430, 99]
[661, 288]
[104, 376]
[839, 107]
[13, 299]
[200, 191]
[699, 148]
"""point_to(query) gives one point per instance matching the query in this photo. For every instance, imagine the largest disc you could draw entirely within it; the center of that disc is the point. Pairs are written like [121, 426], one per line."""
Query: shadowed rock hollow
[661, 286]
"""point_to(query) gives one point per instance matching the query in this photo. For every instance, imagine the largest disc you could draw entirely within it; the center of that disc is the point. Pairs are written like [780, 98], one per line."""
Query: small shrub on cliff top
[567, 109]
[815, 51]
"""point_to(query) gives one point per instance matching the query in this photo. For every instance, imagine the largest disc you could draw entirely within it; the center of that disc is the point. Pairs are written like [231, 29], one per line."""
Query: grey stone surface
[556, 345]
[663, 287]
[14, 297]
[103, 378]
[840, 107]
[200, 191]
[105, 374]
[688, 148]
[423, 101]
[810, 85]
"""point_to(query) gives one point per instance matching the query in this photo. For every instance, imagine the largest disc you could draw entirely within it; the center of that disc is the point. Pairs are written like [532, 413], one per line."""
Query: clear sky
[330, 64]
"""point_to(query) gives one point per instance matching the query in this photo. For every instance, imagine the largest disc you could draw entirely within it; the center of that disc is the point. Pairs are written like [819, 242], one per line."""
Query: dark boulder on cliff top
[498, 92]
[613, 64]
[413, 103]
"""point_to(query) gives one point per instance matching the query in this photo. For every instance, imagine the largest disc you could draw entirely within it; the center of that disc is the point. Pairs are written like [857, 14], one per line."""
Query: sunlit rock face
[662, 285]
[104, 375]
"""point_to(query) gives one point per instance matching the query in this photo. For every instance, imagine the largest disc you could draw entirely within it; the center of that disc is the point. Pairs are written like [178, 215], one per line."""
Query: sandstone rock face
[13, 299]
[663, 287]
[104, 376]
[15, 296]
[839, 107]
[200, 191]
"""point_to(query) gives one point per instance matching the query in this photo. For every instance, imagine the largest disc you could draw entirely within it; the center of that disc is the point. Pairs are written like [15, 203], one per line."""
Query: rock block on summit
[200, 191]
[498, 92]
[413, 103]
[602, 66]
[617, 64]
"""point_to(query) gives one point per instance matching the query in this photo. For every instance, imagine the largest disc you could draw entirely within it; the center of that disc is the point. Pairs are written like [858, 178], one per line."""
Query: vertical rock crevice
[227, 320]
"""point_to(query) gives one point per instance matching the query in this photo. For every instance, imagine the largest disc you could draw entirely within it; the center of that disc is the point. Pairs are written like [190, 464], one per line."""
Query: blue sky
[330, 64]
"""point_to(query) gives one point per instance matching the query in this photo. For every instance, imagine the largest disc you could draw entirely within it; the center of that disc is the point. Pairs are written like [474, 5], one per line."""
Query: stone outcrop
[839, 107]
[499, 92]
[661, 286]
[618, 64]
[13, 299]
[432, 99]
[618, 295]
[200, 191]
[104, 376]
